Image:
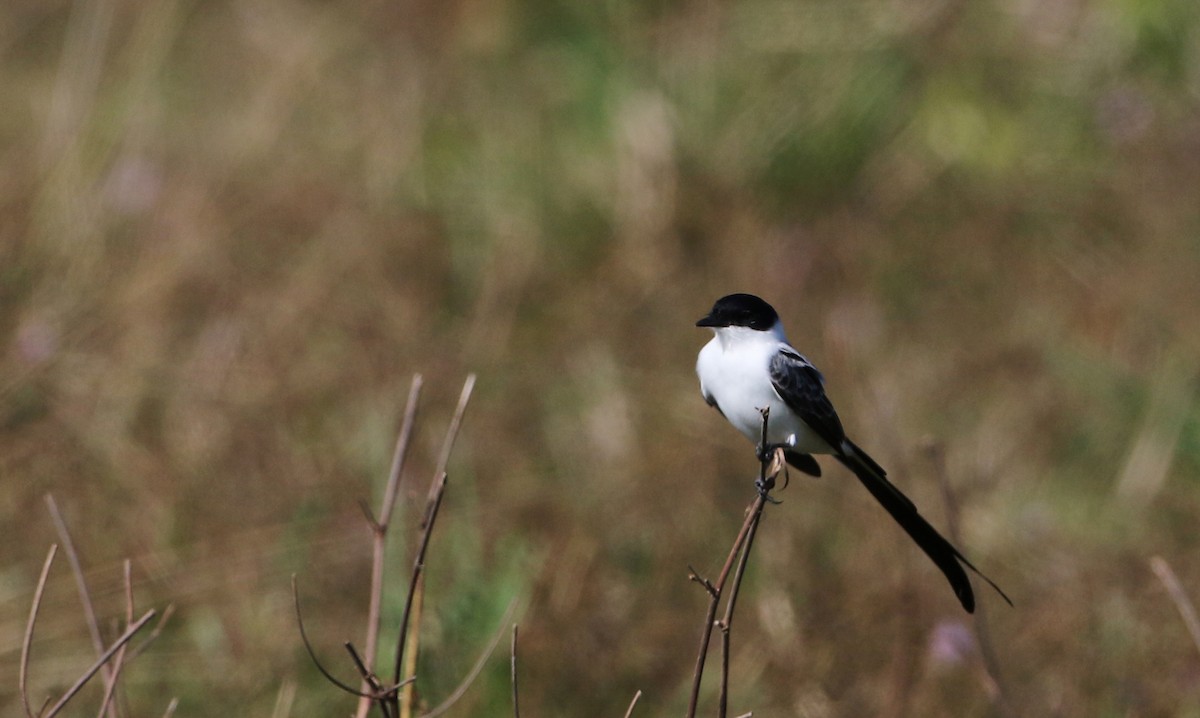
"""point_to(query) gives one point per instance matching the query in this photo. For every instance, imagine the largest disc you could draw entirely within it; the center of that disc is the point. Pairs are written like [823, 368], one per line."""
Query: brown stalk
[380, 528]
[27, 641]
[439, 488]
[727, 621]
[89, 611]
[374, 691]
[416, 596]
[154, 633]
[632, 703]
[313, 655]
[408, 696]
[768, 469]
[103, 660]
[119, 660]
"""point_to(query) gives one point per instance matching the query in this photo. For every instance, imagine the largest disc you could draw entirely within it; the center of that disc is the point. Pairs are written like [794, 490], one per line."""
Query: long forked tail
[941, 551]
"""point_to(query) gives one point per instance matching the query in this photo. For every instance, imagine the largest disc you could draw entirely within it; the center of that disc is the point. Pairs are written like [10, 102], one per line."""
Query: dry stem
[768, 469]
[375, 692]
[416, 598]
[119, 660]
[89, 611]
[103, 660]
[632, 703]
[27, 642]
[380, 528]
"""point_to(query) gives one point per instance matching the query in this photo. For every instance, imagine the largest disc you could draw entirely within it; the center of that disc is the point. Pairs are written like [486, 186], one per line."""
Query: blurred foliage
[230, 232]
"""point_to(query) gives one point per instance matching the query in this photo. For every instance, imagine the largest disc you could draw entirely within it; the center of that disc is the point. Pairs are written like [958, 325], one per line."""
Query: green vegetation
[231, 231]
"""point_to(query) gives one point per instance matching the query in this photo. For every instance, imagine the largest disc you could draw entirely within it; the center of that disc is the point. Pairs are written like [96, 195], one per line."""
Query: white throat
[732, 338]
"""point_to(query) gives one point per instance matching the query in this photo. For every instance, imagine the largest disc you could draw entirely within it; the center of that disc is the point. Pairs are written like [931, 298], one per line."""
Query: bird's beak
[710, 321]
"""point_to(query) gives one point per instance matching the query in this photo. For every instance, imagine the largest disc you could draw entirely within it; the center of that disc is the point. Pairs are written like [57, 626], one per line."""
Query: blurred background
[230, 232]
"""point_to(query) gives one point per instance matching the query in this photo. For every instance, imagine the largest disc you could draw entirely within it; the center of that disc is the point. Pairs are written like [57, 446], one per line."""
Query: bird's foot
[764, 487]
[766, 452]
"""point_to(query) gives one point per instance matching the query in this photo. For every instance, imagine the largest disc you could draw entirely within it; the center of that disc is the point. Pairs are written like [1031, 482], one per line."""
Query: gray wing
[802, 388]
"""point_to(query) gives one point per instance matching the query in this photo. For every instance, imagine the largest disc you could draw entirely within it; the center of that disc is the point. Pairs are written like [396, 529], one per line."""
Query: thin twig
[312, 654]
[170, 711]
[120, 642]
[408, 696]
[401, 453]
[464, 397]
[27, 641]
[633, 703]
[1187, 610]
[368, 677]
[767, 470]
[715, 598]
[439, 487]
[516, 703]
[154, 633]
[380, 528]
[119, 660]
[476, 669]
[89, 611]
[416, 591]
[727, 621]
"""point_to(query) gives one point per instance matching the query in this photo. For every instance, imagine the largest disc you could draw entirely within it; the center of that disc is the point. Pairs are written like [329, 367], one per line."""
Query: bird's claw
[766, 452]
[764, 487]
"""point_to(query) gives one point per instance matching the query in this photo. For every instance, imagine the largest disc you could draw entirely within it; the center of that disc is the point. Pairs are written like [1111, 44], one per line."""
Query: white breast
[734, 369]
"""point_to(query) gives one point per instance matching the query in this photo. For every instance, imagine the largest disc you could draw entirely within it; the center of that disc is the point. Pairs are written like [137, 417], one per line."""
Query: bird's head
[741, 310]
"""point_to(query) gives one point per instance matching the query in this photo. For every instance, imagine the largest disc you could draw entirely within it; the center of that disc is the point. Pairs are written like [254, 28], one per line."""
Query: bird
[749, 366]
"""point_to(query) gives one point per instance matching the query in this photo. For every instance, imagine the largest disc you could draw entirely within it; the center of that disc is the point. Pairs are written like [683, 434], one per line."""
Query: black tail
[941, 551]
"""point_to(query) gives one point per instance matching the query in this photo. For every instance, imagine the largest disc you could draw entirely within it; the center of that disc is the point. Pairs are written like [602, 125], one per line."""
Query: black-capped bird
[750, 366]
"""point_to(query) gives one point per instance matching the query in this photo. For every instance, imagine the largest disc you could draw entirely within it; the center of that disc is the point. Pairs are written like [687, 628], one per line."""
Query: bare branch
[408, 696]
[27, 641]
[380, 528]
[154, 633]
[751, 517]
[455, 423]
[171, 708]
[438, 489]
[401, 452]
[368, 677]
[104, 657]
[312, 654]
[89, 611]
[633, 703]
[768, 469]
[119, 660]
[693, 576]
